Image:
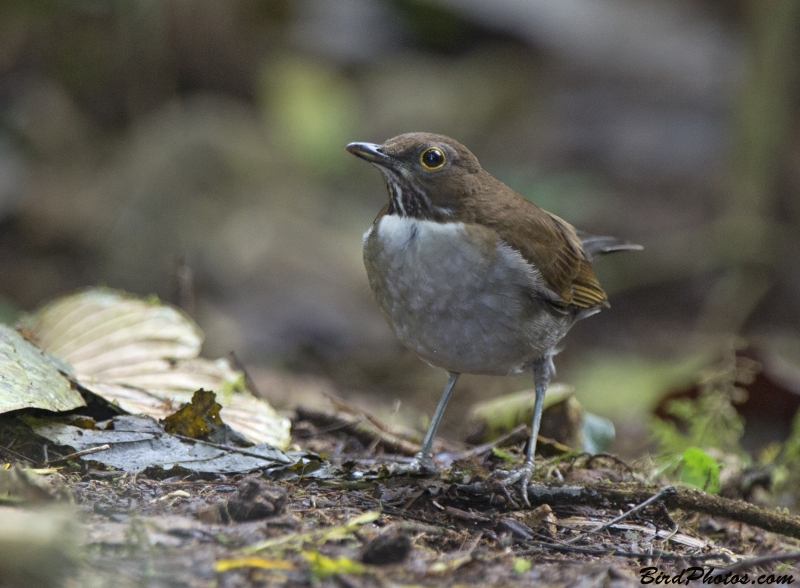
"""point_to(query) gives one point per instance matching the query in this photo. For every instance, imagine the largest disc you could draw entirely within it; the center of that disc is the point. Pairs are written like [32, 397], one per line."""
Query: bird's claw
[521, 475]
[421, 465]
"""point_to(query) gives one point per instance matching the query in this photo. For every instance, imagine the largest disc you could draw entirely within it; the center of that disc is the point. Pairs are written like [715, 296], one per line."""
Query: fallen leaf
[142, 356]
[521, 565]
[223, 565]
[449, 564]
[318, 536]
[195, 419]
[323, 566]
[541, 515]
[31, 378]
[138, 442]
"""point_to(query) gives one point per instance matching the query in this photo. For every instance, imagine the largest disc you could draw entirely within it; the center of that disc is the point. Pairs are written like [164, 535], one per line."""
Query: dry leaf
[30, 378]
[142, 355]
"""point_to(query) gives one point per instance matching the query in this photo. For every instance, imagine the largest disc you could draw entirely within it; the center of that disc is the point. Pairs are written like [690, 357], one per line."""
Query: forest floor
[592, 522]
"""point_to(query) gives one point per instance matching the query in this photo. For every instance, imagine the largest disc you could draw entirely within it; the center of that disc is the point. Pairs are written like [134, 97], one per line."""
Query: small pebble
[256, 499]
[387, 549]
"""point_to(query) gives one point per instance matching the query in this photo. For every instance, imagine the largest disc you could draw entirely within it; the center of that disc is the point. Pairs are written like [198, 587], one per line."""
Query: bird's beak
[369, 152]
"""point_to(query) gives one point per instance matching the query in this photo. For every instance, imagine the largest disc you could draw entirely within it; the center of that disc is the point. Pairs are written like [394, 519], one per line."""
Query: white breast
[459, 296]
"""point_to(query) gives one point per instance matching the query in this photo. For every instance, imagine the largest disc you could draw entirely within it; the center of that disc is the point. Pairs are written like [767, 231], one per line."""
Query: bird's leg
[524, 472]
[423, 461]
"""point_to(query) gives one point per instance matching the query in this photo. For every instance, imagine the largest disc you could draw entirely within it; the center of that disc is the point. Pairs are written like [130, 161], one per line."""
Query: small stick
[249, 384]
[17, 455]
[228, 448]
[614, 458]
[518, 433]
[382, 431]
[361, 427]
[619, 553]
[83, 452]
[757, 561]
[666, 491]
[465, 515]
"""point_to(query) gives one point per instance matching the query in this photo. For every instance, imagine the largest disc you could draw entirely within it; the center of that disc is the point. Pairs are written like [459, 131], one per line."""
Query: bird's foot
[519, 476]
[421, 465]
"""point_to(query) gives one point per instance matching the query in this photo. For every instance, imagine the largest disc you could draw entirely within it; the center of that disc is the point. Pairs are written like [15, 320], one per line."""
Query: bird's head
[428, 176]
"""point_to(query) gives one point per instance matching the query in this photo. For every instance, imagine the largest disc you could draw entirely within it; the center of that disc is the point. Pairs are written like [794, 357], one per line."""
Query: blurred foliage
[785, 475]
[699, 469]
[323, 566]
[710, 420]
[313, 110]
[611, 383]
[706, 426]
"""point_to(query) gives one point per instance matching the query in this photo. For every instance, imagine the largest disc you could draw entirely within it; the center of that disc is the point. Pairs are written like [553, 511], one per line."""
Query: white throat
[396, 232]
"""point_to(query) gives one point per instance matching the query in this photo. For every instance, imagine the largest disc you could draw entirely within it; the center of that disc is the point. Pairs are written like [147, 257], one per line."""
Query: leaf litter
[143, 357]
[153, 513]
[178, 530]
[32, 378]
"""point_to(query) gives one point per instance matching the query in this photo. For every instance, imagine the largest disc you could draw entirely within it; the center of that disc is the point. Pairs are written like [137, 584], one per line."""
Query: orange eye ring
[432, 158]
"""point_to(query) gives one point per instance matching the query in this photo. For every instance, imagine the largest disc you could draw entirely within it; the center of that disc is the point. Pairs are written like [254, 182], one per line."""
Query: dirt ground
[362, 526]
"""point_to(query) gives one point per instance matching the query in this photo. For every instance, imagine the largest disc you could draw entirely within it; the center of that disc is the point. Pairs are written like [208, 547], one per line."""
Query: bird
[472, 276]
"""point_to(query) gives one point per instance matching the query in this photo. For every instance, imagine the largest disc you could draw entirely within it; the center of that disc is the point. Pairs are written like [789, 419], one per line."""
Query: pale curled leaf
[143, 356]
[30, 378]
[96, 329]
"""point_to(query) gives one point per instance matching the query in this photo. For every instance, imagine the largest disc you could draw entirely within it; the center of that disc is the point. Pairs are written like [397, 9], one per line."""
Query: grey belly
[459, 305]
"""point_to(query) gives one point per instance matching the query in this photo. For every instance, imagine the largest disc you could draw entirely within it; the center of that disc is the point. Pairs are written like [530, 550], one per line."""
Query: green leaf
[520, 566]
[504, 455]
[319, 536]
[700, 470]
[323, 566]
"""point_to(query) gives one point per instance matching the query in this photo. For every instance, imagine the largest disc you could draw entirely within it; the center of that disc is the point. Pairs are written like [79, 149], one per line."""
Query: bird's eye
[432, 158]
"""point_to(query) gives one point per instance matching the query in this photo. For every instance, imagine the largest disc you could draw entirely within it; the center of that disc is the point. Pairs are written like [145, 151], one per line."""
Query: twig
[407, 514]
[360, 427]
[657, 554]
[17, 455]
[464, 515]
[661, 494]
[614, 458]
[624, 494]
[757, 561]
[83, 452]
[249, 384]
[321, 430]
[345, 406]
[228, 448]
[516, 434]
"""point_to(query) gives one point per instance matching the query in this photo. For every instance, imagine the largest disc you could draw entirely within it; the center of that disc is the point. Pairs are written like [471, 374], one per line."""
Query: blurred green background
[193, 149]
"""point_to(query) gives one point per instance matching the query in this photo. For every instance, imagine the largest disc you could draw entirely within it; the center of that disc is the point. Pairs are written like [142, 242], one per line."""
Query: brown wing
[554, 248]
